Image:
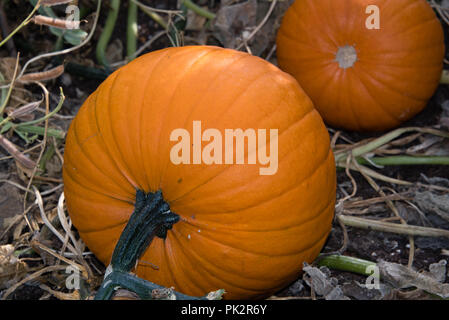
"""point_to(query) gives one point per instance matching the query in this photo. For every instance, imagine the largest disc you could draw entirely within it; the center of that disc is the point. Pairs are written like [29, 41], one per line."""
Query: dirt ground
[416, 204]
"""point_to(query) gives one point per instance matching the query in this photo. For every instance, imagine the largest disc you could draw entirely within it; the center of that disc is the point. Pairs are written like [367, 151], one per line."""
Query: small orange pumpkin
[360, 77]
[239, 230]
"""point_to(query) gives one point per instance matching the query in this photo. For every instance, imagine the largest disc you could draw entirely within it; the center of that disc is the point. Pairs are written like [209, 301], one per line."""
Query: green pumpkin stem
[144, 289]
[151, 217]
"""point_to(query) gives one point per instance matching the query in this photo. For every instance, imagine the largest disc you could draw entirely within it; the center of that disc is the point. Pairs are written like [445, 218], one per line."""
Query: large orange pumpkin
[239, 230]
[360, 77]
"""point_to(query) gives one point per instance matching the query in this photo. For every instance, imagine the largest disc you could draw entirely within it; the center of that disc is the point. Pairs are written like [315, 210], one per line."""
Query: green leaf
[75, 37]
[5, 127]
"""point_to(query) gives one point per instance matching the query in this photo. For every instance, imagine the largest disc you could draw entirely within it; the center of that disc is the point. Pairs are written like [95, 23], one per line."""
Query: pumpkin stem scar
[346, 56]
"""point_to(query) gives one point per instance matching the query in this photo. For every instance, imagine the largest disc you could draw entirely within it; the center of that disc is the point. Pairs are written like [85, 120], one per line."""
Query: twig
[17, 218]
[31, 277]
[270, 54]
[406, 160]
[48, 223]
[259, 26]
[153, 13]
[393, 208]
[24, 23]
[50, 251]
[393, 227]
[65, 225]
[44, 141]
[377, 175]
[376, 143]
[11, 86]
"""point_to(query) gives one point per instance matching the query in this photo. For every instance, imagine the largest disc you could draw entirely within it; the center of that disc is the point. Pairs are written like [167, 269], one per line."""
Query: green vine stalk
[114, 7]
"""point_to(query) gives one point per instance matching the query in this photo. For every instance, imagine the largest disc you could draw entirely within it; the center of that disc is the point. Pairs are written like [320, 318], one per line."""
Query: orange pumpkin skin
[397, 67]
[241, 231]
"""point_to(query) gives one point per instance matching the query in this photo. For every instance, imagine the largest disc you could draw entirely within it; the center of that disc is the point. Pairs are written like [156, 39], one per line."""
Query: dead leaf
[24, 112]
[232, 20]
[361, 292]
[402, 277]
[43, 75]
[438, 271]
[416, 294]
[430, 202]
[235, 21]
[10, 266]
[318, 279]
[13, 150]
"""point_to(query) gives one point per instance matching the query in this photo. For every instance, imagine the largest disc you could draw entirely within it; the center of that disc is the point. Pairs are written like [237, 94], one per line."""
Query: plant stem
[24, 23]
[137, 285]
[4, 92]
[345, 263]
[86, 72]
[11, 86]
[47, 116]
[131, 30]
[198, 10]
[40, 131]
[396, 228]
[156, 17]
[102, 44]
[406, 160]
[340, 158]
[4, 121]
[151, 13]
[151, 217]
[48, 154]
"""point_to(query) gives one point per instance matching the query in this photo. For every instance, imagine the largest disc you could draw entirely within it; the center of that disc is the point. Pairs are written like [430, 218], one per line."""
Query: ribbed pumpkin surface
[398, 66]
[241, 231]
